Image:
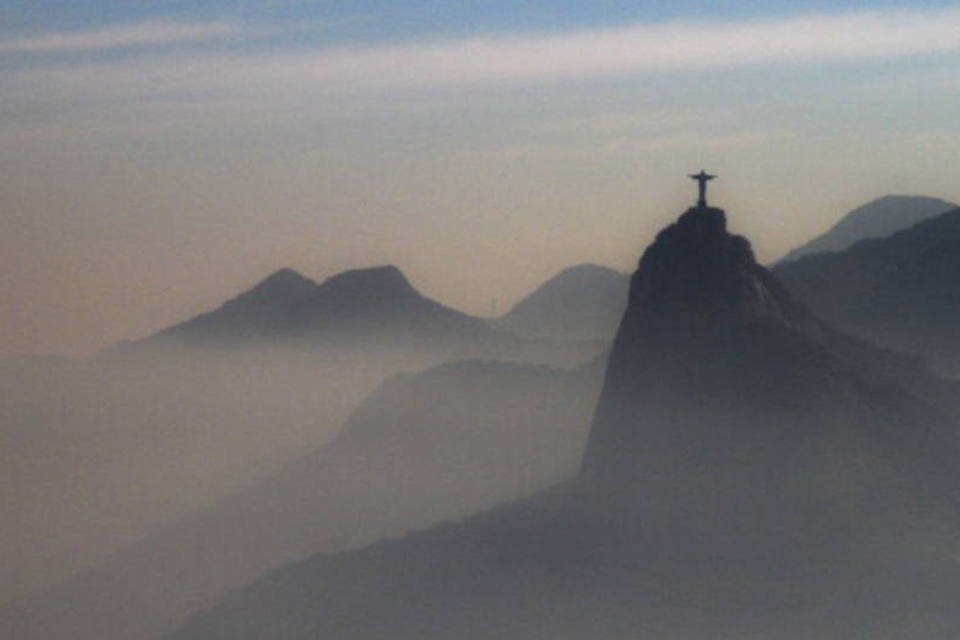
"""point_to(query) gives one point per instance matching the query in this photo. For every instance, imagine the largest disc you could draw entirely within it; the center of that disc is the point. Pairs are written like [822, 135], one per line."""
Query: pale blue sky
[405, 19]
[161, 155]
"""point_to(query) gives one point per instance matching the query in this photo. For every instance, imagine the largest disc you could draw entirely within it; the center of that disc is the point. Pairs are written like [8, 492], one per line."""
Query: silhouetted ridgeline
[902, 291]
[749, 473]
[365, 303]
[363, 309]
[877, 219]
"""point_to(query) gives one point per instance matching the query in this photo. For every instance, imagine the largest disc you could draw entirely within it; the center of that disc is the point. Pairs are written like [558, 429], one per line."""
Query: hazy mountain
[749, 473]
[375, 303]
[584, 302]
[362, 310]
[902, 291]
[425, 447]
[877, 219]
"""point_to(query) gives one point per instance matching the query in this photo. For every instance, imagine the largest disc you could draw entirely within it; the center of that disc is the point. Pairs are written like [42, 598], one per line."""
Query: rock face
[697, 277]
[749, 473]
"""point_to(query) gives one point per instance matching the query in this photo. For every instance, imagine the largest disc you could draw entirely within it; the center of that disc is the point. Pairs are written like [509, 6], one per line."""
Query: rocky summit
[707, 331]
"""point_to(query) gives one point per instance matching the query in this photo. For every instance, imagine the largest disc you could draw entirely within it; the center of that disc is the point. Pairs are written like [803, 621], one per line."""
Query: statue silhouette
[702, 178]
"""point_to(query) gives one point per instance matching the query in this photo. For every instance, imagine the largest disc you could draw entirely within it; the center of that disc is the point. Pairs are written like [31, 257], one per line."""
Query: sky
[161, 156]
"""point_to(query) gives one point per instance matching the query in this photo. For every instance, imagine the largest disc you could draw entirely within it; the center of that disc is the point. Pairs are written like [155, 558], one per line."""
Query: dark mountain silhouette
[749, 473]
[425, 447]
[902, 291]
[584, 302]
[877, 219]
[365, 311]
[364, 303]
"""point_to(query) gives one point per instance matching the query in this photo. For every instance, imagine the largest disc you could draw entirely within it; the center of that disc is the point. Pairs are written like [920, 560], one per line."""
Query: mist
[98, 453]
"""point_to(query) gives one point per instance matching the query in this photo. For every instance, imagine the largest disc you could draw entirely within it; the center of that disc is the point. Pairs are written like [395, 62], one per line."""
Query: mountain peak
[705, 324]
[286, 275]
[696, 272]
[285, 280]
[281, 289]
[587, 270]
[381, 281]
[888, 214]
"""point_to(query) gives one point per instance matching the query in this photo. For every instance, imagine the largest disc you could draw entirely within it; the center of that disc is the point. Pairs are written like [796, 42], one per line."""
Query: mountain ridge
[374, 302]
[878, 218]
[899, 291]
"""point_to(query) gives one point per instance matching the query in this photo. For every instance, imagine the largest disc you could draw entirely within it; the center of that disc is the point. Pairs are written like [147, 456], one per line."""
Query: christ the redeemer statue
[702, 179]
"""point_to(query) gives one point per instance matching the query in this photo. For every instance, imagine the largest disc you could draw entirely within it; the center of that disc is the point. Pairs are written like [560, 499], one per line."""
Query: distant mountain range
[749, 473]
[902, 291]
[372, 310]
[377, 303]
[876, 219]
[584, 302]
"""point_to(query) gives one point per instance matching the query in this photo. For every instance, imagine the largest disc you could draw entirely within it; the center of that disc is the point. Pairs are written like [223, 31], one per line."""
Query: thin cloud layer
[650, 48]
[644, 48]
[118, 37]
[257, 78]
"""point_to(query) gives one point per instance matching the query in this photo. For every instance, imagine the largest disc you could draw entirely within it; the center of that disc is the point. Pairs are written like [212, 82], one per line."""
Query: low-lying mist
[242, 451]
[96, 454]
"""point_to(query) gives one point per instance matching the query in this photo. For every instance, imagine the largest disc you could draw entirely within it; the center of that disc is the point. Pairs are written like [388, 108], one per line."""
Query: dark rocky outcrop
[706, 329]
